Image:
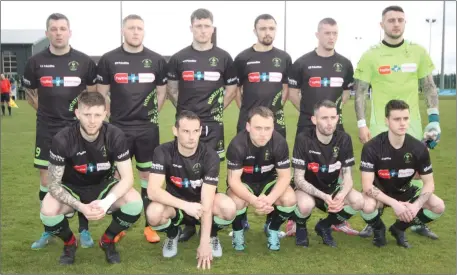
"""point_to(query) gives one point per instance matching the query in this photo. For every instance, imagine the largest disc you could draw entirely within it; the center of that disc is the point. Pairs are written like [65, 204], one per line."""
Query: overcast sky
[96, 24]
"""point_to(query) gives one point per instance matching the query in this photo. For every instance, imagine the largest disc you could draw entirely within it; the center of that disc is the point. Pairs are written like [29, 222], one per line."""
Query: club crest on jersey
[407, 157]
[335, 151]
[73, 65]
[338, 67]
[213, 61]
[276, 62]
[267, 155]
[103, 149]
[220, 145]
[196, 168]
[147, 63]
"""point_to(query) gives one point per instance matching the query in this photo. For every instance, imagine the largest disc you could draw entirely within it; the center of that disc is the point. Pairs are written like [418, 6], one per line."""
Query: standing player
[197, 78]
[53, 79]
[81, 178]
[135, 78]
[258, 174]
[389, 162]
[321, 74]
[6, 92]
[397, 69]
[320, 154]
[190, 170]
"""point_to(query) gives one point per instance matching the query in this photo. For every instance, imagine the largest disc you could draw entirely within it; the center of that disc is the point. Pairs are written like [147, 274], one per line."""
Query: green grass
[21, 224]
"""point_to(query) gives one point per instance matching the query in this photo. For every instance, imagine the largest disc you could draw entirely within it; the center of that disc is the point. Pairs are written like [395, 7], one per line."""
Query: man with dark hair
[258, 174]
[320, 154]
[81, 178]
[53, 79]
[321, 74]
[190, 170]
[396, 69]
[200, 74]
[389, 162]
[134, 78]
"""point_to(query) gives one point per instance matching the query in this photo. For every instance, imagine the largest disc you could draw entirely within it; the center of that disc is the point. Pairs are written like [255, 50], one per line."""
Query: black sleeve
[347, 153]
[119, 147]
[29, 78]
[285, 76]
[349, 77]
[235, 157]
[172, 68]
[58, 152]
[158, 161]
[239, 65]
[161, 78]
[368, 158]
[211, 168]
[230, 73]
[281, 154]
[424, 164]
[295, 76]
[103, 71]
[299, 154]
[91, 76]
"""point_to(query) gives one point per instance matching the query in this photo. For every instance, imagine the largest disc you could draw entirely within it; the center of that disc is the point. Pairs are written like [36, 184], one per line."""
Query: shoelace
[273, 238]
[215, 242]
[169, 244]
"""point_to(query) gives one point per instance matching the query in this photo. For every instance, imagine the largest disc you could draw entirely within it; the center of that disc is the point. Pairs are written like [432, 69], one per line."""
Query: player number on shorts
[37, 152]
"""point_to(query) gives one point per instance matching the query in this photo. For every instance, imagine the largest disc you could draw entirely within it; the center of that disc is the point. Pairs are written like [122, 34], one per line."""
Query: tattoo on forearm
[428, 87]
[423, 198]
[56, 189]
[300, 182]
[361, 88]
[173, 92]
[373, 192]
[32, 97]
[346, 170]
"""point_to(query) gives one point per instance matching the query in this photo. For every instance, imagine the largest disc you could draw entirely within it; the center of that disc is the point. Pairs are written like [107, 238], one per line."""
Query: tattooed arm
[427, 190]
[173, 92]
[373, 192]
[347, 181]
[55, 174]
[428, 87]
[361, 88]
[32, 97]
[305, 186]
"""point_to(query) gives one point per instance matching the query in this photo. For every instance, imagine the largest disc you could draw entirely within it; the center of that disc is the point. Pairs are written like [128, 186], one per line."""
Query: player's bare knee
[356, 201]
[305, 206]
[132, 195]
[144, 175]
[44, 177]
[370, 205]
[155, 213]
[226, 207]
[239, 203]
[438, 206]
[50, 206]
[288, 198]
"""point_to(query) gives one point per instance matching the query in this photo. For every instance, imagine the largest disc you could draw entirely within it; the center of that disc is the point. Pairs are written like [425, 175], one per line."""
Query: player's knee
[357, 202]
[305, 207]
[132, 195]
[49, 210]
[289, 199]
[439, 207]
[370, 205]
[44, 177]
[154, 213]
[227, 208]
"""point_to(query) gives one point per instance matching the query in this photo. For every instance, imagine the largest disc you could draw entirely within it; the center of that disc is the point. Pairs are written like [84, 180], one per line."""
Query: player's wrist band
[108, 201]
[361, 123]
[433, 115]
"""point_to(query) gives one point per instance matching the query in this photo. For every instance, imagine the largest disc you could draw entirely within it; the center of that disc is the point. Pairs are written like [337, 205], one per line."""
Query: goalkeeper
[396, 69]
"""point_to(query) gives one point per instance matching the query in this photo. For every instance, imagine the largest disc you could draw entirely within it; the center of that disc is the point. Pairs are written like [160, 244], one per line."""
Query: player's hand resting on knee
[194, 209]
[92, 211]
[204, 256]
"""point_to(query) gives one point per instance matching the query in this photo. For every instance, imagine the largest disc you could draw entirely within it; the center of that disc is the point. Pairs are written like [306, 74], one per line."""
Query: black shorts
[43, 142]
[259, 188]
[213, 135]
[5, 98]
[88, 193]
[142, 142]
[410, 195]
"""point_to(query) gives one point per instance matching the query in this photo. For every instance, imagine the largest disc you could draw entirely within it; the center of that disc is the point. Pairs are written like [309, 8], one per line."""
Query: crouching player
[81, 169]
[258, 174]
[389, 163]
[190, 170]
[320, 154]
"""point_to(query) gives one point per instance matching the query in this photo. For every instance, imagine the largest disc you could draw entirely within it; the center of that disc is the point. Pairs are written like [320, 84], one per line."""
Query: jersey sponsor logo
[71, 81]
[126, 153]
[365, 164]
[405, 173]
[208, 178]
[314, 67]
[177, 165]
[81, 168]
[157, 166]
[189, 61]
[336, 81]
[324, 168]
[334, 167]
[284, 162]
[255, 77]
[177, 181]
[384, 70]
[252, 62]
[408, 67]
[56, 157]
[206, 76]
[314, 152]
[47, 66]
[188, 76]
[427, 168]
[121, 78]
[231, 163]
[146, 78]
[298, 161]
[121, 63]
[232, 80]
[386, 158]
[384, 174]
[317, 82]
[292, 82]
[66, 81]
[211, 76]
[103, 166]
[266, 168]
[349, 160]
[250, 157]
[313, 167]
[194, 183]
[248, 169]
[80, 153]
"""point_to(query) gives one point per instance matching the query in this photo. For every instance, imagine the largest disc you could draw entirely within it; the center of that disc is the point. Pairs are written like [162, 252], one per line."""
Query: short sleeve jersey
[133, 78]
[320, 78]
[88, 163]
[323, 162]
[59, 79]
[185, 176]
[395, 168]
[259, 164]
[202, 76]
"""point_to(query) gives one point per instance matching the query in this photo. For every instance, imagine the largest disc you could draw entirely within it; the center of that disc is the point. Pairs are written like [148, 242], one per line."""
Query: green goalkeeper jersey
[394, 73]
